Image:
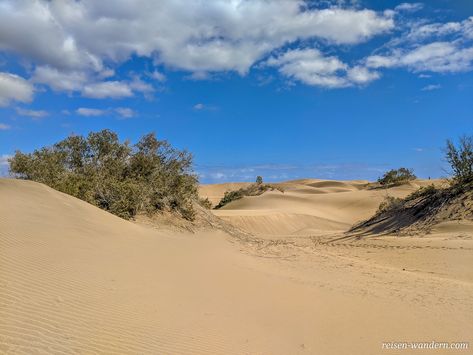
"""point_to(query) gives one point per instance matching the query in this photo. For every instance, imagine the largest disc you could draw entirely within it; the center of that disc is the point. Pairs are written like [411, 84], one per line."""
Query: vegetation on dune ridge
[429, 204]
[255, 189]
[396, 177]
[123, 179]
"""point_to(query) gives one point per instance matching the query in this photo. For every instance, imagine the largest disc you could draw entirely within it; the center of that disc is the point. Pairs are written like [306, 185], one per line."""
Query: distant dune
[76, 279]
[307, 207]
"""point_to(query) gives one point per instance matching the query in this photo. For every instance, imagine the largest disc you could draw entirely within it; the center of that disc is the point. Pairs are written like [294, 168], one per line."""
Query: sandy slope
[308, 207]
[74, 279]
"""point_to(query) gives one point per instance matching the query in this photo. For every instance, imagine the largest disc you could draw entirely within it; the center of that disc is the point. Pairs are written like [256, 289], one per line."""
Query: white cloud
[125, 112]
[67, 42]
[440, 57]
[362, 75]
[197, 36]
[32, 113]
[199, 106]
[311, 67]
[34, 29]
[421, 31]
[14, 88]
[430, 47]
[107, 89]
[85, 111]
[60, 80]
[431, 87]
[409, 7]
[141, 86]
[4, 127]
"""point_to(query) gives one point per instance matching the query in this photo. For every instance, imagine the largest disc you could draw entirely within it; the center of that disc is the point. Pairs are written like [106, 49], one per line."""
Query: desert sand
[75, 279]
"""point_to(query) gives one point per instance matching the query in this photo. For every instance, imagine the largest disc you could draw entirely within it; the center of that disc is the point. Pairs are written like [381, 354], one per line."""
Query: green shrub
[396, 177]
[390, 203]
[255, 189]
[460, 159]
[122, 179]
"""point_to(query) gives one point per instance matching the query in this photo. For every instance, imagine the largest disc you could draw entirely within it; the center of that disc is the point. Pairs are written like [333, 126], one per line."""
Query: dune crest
[307, 207]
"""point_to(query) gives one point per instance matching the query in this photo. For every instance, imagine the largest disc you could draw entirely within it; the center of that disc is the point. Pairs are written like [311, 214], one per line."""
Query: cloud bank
[75, 46]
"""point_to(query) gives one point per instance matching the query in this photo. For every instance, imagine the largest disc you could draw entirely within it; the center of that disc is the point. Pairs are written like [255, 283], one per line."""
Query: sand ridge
[308, 206]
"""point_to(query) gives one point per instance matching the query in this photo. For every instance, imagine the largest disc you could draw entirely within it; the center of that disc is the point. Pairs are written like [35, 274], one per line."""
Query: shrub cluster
[396, 177]
[460, 159]
[390, 203]
[423, 191]
[118, 177]
[255, 189]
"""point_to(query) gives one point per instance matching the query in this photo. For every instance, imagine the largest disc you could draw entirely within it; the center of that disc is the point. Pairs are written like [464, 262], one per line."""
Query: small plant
[259, 179]
[397, 177]
[390, 203]
[460, 159]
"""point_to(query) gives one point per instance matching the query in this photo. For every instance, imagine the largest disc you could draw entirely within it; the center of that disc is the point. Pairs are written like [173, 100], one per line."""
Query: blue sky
[283, 89]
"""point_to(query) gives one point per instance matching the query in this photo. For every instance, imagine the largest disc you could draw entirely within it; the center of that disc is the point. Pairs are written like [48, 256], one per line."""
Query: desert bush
[255, 189]
[396, 177]
[460, 158]
[115, 176]
[389, 203]
[423, 191]
[259, 179]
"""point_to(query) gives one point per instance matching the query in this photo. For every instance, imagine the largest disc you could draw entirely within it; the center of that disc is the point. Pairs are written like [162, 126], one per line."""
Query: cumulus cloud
[4, 127]
[107, 89]
[14, 88]
[361, 75]
[32, 113]
[85, 111]
[73, 46]
[194, 36]
[311, 67]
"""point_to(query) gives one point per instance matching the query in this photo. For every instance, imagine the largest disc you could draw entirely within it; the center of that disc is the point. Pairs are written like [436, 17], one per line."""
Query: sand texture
[77, 280]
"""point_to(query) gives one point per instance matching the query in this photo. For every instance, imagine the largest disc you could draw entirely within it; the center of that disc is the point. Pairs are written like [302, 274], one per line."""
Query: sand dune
[75, 279]
[307, 206]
